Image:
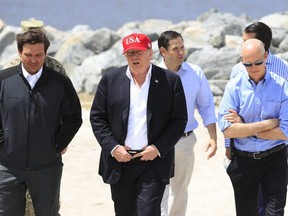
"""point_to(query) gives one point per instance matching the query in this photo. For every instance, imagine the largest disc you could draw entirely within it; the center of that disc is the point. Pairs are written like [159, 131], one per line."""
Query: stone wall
[212, 41]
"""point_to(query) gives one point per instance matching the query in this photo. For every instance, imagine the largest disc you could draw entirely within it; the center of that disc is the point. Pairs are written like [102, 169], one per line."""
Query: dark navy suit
[166, 120]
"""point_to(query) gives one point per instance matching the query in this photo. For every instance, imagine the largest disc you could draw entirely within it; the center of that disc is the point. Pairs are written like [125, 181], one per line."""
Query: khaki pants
[184, 164]
[29, 210]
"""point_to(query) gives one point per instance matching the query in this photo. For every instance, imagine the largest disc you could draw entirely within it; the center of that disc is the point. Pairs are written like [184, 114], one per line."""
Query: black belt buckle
[186, 134]
[133, 152]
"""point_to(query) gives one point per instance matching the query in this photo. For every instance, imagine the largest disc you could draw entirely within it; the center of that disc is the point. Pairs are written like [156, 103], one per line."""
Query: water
[65, 14]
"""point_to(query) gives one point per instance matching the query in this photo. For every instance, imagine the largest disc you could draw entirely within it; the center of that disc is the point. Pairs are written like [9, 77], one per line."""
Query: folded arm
[241, 130]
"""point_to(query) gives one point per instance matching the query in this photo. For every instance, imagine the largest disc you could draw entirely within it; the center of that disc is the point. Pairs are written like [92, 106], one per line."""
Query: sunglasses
[249, 64]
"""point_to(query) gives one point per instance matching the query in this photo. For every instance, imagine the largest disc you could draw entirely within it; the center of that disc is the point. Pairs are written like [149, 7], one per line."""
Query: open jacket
[166, 118]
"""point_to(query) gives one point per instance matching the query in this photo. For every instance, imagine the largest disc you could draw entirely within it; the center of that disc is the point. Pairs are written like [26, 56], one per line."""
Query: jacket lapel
[125, 97]
[153, 92]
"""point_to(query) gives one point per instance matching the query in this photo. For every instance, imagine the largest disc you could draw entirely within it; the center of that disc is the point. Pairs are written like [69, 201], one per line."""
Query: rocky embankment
[212, 41]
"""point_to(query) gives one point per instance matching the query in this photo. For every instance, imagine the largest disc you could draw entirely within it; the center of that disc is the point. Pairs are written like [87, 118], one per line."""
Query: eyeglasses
[249, 64]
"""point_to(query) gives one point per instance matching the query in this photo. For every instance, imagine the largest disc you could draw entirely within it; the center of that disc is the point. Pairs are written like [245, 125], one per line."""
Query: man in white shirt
[137, 116]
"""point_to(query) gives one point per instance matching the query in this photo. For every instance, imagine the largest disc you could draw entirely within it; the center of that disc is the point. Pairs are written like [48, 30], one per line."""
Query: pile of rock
[212, 41]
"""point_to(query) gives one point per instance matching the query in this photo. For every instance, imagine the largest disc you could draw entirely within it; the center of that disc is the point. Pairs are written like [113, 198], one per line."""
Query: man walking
[198, 95]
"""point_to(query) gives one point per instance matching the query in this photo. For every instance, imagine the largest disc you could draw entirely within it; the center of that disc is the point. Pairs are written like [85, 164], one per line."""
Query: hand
[149, 153]
[121, 154]
[64, 151]
[211, 148]
[228, 153]
[226, 162]
[233, 117]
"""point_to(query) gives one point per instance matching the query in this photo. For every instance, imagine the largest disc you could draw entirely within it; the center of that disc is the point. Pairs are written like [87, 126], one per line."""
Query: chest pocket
[271, 109]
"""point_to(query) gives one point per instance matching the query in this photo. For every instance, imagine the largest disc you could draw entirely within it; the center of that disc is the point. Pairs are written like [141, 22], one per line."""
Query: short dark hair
[165, 37]
[262, 33]
[32, 36]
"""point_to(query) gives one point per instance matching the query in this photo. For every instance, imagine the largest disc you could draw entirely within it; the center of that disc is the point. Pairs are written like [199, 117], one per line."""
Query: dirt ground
[84, 193]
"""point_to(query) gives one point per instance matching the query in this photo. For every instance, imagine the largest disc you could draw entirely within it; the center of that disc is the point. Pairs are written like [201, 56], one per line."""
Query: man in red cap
[137, 116]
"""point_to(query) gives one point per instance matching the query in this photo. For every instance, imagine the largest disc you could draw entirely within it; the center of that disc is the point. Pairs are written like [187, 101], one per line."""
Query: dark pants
[43, 185]
[139, 190]
[248, 174]
[261, 208]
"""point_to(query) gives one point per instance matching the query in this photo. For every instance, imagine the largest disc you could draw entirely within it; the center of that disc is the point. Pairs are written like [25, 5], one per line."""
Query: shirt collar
[266, 78]
[183, 66]
[26, 74]
[148, 75]
[269, 59]
[162, 64]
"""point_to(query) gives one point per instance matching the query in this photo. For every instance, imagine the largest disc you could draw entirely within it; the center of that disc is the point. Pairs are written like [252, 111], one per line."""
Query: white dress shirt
[137, 122]
[32, 79]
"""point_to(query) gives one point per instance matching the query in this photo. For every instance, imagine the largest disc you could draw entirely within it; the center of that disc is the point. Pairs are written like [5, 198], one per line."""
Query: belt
[260, 155]
[133, 152]
[186, 134]
[137, 160]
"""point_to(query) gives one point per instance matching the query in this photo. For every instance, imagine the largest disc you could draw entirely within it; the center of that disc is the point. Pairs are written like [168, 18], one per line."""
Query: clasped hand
[121, 155]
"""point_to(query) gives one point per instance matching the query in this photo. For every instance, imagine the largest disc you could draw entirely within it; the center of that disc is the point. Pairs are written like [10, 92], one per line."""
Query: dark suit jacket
[166, 118]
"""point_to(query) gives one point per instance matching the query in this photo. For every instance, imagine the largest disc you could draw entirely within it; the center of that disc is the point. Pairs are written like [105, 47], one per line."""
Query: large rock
[226, 22]
[216, 63]
[276, 20]
[87, 75]
[194, 36]
[283, 46]
[212, 41]
[278, 35]
[72, 53]
[154, 27]
[101, 40]
[56, 37]
[9, 53]
[7, 36]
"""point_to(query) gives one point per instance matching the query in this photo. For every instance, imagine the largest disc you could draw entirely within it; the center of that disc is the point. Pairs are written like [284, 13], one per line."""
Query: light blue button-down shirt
[273, 63]
[268, 99]
[197, 93]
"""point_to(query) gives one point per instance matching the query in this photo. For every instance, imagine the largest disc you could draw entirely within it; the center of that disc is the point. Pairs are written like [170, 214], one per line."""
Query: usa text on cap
[136, 41]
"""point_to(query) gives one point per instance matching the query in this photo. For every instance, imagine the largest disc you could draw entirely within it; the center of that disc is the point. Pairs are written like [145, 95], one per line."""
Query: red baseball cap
[136, 41]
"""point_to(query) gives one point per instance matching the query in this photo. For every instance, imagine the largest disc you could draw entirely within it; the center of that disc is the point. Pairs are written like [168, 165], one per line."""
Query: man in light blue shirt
[262, 32]
[198, 95]
[260, 97]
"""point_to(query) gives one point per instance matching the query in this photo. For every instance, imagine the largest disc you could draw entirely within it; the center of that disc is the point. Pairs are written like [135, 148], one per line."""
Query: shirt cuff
[113, 150]
[227, 142]
[157, 150]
